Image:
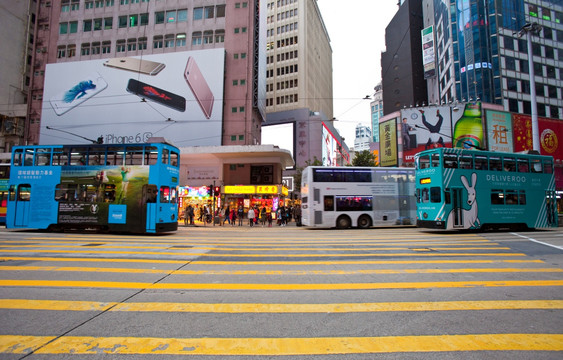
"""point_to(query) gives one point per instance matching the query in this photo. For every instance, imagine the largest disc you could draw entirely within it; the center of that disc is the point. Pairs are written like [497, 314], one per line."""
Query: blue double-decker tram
[470, 189]
[122, 188]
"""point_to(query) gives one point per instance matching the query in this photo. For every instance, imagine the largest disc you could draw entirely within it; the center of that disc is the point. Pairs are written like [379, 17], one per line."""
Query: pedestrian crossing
[271, 292]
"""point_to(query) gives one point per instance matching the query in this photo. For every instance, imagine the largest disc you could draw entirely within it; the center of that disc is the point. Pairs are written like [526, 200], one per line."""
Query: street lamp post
[529, 29]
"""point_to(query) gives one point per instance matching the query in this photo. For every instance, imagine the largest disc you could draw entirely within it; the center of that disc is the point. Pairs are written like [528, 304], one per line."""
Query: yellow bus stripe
[82, 345]
[279, 272]
[228, 263]
[62, 305]
[276, 287]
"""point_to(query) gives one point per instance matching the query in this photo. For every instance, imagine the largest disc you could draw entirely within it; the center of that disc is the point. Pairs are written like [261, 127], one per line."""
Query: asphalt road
[282, 293]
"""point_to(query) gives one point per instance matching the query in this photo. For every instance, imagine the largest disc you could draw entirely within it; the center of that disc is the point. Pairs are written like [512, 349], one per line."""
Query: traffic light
[210, 190]
[217, 190]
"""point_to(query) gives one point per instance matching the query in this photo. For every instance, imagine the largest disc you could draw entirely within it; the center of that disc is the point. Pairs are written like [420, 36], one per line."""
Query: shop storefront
[197, 197]
[270, 196]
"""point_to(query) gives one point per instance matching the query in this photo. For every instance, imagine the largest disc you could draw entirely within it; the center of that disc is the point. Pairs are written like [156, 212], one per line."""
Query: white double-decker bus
[361, 197]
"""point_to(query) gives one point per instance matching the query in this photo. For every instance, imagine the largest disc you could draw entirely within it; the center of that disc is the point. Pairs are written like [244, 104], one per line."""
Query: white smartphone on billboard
[136, 65]
[199, 86]
[83, 89]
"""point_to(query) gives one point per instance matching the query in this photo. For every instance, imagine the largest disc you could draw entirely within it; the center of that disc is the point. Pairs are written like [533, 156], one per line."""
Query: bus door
[456, 195]
[551, 208]
[22, 205]
[149, 201]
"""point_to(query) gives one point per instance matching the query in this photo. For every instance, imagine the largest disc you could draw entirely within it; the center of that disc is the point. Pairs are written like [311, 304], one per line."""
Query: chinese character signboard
[522, 132]
[550, 135]
[498, 131]
[388, 142]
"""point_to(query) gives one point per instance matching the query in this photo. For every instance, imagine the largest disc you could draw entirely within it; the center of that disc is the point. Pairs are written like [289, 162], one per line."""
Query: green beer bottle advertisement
[468, 130]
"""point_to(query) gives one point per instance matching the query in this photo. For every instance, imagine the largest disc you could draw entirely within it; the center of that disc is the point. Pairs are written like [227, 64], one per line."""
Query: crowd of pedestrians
[237, 217]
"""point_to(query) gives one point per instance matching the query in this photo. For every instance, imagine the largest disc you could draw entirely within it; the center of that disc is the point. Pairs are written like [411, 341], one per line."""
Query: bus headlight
[425, 215]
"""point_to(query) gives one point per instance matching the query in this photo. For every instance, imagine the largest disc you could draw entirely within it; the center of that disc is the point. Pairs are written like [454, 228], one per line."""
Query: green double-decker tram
[470, 189]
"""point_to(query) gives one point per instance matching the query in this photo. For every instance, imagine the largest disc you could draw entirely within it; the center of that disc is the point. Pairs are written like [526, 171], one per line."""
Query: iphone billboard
[177, 96]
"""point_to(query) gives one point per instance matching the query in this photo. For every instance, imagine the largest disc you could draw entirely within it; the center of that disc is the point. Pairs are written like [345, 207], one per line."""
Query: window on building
[71, 51]
[182, 15]
[133, 20]
[87, 25]
[97, 24]
[122, 21]
[120, 46]
[171, 16]
[144, 19]
[219, 36]
[108, 23]
[169, 40]
[142, 42]
[209, 12]
[131, 44]
[220, 11]
[159, 17]
[158, 42]
[208, 37]
[196, 38]
[63, 28]
[106, 47]
[181, 39]
[96, 48]
[198, 13]
[85, 49]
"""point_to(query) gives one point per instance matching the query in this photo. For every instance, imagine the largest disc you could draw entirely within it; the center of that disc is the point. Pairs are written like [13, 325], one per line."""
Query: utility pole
[529, 29]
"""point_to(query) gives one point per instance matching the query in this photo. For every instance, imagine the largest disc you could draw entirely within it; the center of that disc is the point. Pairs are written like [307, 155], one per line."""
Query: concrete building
[363, 138]
[17, 21]
[376, 108]
[69, 31]
[299, 58]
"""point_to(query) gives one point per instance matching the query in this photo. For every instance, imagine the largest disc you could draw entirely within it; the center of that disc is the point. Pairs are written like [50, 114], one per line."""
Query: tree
[364, 158]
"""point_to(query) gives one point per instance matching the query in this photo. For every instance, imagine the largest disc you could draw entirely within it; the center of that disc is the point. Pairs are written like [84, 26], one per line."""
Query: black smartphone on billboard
[158, 95]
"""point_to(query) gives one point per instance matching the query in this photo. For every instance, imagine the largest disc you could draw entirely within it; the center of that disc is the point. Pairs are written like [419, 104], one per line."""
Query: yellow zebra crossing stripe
[84, 345]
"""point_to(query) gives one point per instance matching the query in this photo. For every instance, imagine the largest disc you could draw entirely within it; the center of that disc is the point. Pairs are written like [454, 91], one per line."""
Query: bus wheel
[364, 222]
[343, 222]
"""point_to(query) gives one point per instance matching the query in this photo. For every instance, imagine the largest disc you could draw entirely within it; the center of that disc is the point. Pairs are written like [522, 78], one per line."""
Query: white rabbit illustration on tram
[469, 216]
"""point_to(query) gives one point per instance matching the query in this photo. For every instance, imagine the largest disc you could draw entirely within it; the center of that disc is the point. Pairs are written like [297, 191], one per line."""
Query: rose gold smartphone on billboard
[199, 87]
[136, 65]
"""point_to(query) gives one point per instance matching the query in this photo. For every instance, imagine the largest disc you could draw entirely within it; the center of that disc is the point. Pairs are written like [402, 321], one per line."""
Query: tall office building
[299, 58]
[482, 54]
[376, 109]
[195, 66]
[363, 138]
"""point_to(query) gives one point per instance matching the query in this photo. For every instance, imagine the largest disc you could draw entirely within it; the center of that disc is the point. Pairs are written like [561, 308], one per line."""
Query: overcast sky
[357, 35]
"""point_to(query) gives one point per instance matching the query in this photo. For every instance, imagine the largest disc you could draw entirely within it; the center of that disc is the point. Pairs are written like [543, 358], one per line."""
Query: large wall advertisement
[177, 96]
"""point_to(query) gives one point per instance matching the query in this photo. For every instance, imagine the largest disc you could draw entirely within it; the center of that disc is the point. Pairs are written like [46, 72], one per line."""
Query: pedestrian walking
[227, 217]
[233, 217]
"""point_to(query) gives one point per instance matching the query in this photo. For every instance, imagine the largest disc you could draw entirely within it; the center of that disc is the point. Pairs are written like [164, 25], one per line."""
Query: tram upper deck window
[481, 162]
[43, 157]
[548, 167]
[523, 165]
[536, 165]
[509, 164]
[18, 157]
[423, 162]
[450, 161]
[495, 164]
[435, 160]
[466, 162]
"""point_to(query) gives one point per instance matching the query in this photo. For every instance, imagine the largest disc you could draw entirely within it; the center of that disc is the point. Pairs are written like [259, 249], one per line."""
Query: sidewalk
[200, 224]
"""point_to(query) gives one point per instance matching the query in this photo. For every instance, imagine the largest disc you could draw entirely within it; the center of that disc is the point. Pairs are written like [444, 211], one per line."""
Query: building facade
[363, 138]
[376, 109]
[299, 58]
[482, 54]
[67, 31]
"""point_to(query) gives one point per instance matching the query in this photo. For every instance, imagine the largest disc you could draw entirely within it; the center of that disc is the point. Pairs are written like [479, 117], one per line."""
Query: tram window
[174, 158]
[511, 197]
[435, 160]
[28, 157]
[164, 194]
[329, 203]
[18, 155]
[165, 156]
[523, 165]
[435, 195]
[24, 192]
[12, 192]
[522, 197]
[466, 162]
[481, 163]
[151, 155]
[447, 197]
[425, 197]
[536, 165]
[115, 156]
[134, 155]
[60, 157]
[450, 161]
[173, 195]
[497, 197]
[423, 162]
[43, 157]
[509, 164]
[495, 164]
[78, 156]
[417, 194]
[548, 167]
